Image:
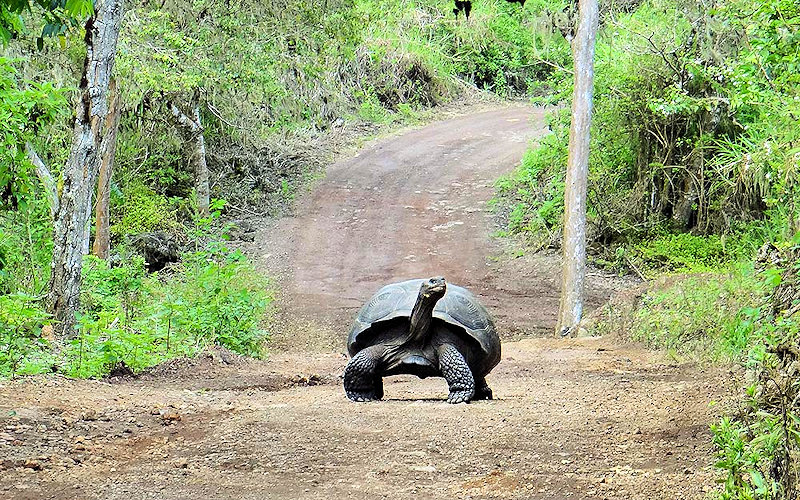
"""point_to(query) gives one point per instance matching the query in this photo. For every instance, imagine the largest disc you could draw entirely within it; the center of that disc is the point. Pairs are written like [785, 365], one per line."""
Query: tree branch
[183, 121]
[50, 186]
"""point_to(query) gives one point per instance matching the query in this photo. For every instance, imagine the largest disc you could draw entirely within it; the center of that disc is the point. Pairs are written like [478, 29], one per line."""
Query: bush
[134, 320]
[22, 348]
[142, 210]
[758, 446]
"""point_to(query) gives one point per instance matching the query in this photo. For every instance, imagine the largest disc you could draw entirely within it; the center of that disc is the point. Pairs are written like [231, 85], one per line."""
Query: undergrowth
[694, 152]
[704, 316]
[132, 320]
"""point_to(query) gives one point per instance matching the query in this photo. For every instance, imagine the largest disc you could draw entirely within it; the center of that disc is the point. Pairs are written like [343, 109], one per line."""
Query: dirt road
[572, 419]
[407, 207]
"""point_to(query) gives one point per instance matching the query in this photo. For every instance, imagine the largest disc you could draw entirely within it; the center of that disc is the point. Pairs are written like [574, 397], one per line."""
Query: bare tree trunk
[102, 238]
[571, 307]
[192, 130]
[71, 222]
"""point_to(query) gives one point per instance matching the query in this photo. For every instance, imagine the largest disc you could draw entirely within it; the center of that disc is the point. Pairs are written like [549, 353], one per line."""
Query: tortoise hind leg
[362, 382]
[482, 390]
[457, 373]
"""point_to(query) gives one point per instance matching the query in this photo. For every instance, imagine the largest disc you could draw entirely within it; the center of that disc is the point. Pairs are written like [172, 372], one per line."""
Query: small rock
[169, 415]
[48, 333]
[32, 464]
[423, 468]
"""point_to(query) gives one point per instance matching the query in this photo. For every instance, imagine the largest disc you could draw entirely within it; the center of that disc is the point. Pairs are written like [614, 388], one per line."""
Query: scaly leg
[482, 390]
[362, 382]
[457, 373]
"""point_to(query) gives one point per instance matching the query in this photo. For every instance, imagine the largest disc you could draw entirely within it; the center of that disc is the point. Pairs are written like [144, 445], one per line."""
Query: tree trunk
[102, 238]
[191, 129]
[71, 222]
[571, 307]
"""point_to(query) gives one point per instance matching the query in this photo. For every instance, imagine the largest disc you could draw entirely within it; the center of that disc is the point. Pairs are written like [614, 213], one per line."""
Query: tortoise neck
[421, 317]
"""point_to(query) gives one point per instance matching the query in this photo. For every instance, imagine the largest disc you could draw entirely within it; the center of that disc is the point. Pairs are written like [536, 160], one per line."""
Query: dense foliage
[694, 131]
[133, 319]
[693, 167]
[280, 81]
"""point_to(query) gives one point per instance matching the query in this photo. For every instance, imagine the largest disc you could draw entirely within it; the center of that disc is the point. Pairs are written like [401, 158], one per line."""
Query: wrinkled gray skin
[423, 328]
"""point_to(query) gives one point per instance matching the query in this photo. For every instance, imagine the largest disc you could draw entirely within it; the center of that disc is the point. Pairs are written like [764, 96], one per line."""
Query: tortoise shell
[459, 307]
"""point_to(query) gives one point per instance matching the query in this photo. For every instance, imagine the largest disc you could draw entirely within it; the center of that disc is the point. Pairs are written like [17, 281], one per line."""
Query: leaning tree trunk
[71, 221]
[574, 245]
[102, 238]
[191, 129]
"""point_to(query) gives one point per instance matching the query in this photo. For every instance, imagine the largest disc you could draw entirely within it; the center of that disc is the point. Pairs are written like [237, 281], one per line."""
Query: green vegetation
[705, 316]
[749, 316]
[693, 168]
[278, 80]
[694, 132]
[276, 85]
[133, 320]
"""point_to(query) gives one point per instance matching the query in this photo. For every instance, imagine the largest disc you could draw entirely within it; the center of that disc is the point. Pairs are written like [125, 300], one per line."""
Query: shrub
[142, 210]
[22, 348]
[758, 446]
[134, 320]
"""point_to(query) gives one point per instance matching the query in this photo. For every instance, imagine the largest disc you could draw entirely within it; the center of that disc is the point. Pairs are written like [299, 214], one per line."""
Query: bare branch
[183, 121]
[50, 186]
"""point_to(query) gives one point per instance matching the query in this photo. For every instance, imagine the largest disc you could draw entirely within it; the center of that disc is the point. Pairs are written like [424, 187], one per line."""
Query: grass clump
[706, 316]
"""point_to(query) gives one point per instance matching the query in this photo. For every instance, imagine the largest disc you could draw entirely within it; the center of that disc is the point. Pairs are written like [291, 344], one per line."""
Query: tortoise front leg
[455, 370]
[362, 382]
[482, 390]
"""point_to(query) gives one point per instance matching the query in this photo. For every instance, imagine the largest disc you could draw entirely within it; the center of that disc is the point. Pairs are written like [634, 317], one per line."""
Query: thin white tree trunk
[71, 221]
[192, 130]
[102, 238]
[574, 245]
[49, 183]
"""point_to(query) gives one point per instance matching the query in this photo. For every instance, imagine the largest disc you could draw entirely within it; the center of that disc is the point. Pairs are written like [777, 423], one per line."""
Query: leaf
[79, 8]
[758, 481]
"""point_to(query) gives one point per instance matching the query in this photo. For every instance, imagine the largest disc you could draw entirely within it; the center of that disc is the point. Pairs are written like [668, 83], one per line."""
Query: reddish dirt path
[406, 207]
[573, 418]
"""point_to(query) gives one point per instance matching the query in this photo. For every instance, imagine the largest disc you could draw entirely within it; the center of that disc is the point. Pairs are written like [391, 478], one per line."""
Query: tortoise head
[433, 288]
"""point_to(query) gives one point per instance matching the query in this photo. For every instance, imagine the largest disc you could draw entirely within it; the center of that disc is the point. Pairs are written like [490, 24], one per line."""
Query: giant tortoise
[426, 328]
